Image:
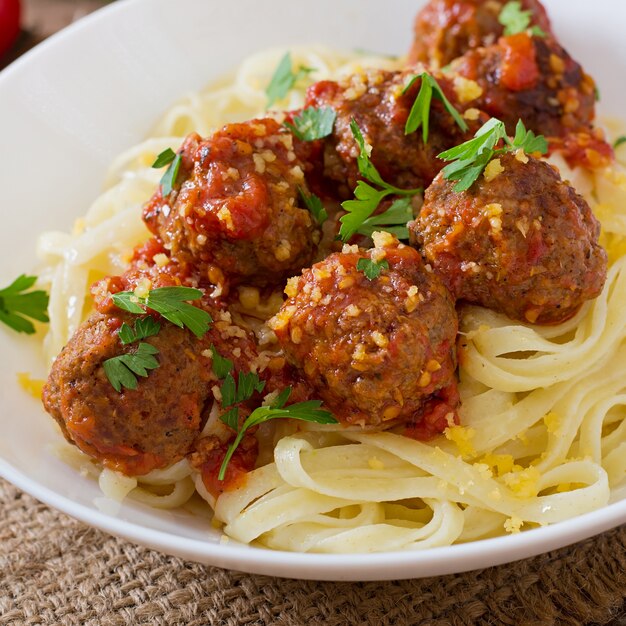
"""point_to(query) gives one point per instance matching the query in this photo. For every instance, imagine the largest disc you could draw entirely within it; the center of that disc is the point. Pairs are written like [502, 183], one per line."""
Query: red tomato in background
[9, 23]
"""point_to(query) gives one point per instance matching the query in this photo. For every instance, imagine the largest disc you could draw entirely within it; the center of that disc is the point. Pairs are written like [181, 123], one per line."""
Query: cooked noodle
[543, 435]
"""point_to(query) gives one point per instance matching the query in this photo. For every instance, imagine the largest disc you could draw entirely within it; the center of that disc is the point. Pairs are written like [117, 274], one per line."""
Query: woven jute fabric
[55, 570]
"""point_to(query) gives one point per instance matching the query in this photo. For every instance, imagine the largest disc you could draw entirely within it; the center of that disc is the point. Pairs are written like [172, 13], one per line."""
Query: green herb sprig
[308, 411]
[517, 21]
[234, 393]
[420, 111]
[284, 79]
[17, 304]
[368, 197]
[168, 180]
[314, 205]
[313, 123]
[171, 303]
[143, 328]
[470, 158]
[122, 371]
[372, 269]
[619, 141]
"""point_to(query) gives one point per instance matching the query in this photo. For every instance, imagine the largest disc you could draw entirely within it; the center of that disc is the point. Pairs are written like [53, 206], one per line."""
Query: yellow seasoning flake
[493, 170]
[161, 259]
[471, 115]
[501, 463]
[524, 483]
[553, 422]
[143, 288]
[32, 386]
[513, 524]
[467, 90]
[375, 463]
[462, 436]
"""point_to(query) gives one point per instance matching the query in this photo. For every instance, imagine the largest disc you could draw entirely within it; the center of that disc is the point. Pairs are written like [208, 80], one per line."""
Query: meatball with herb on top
[373, 333]
[380, 102]
[151, 426]
[447, 29]
[520, 241]
[235, 209]
[530, 78]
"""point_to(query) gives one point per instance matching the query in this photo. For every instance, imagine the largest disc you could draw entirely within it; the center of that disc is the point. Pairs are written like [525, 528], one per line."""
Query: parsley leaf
[16, 305]
[470, 158]
[242, 390]
[171, 303]
[314, 205]
[284, 79]
[165, 158]
[619, 141]
[122, 371]
[517, 21]
[144, 327]
[221, 365]
[528, 141]
[168, 180]
[371, 268]
[394, 220]
[309, 411]
[367, 197]
[313, 123]
[420, 111]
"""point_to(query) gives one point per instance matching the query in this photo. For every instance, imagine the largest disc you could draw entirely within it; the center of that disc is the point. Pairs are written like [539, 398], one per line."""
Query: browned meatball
[447, 29]
[373, 350]
[154, 425]
[532, 79]
[235, 211]
[375, 101]
[524, 243]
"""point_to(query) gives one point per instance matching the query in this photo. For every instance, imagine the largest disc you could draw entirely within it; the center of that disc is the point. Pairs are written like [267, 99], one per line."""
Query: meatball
[523, 243]
[375, 100]
[533, 79]
[154, 425]
[235, 212]
[373, 350]
[447, 29]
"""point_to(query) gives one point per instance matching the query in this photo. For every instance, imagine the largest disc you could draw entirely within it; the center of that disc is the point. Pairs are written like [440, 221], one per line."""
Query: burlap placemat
[55, 570]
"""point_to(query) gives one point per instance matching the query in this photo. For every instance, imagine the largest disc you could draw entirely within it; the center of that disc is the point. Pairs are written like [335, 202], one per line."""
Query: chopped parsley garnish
[17, 304]
[470, 158]
[221, 365]
[313, 123]
[165, 158]
[314, 205]
[619, 141]
[284, 79]
[369, 197]
[122, 371]
[371, 268]
[309, 411]
[517, 21]
[144, 327]
[420, 111]
[393, 220]
[596, 93]
[234, 393]
[168, 180]
[171, 303]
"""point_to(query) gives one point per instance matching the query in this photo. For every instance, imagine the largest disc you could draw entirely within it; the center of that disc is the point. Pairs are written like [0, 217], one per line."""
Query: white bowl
[71, 105]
